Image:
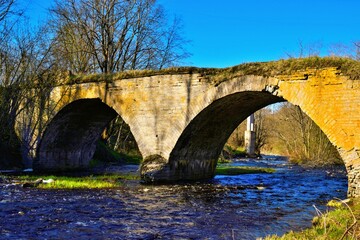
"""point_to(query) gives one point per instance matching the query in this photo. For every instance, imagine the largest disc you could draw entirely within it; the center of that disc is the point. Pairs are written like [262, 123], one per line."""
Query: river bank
[105, 176]
[342, 222]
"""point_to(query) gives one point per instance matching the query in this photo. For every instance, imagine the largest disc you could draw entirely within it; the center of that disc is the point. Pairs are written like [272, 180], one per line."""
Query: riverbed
[228, 207]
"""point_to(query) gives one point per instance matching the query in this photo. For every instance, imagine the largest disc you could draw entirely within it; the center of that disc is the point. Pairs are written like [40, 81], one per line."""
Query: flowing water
[227, 207]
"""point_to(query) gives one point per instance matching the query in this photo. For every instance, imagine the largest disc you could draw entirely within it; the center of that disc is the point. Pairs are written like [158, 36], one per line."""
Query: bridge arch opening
[70, 139]
[196, 152]
[284, 129]
[202, 141]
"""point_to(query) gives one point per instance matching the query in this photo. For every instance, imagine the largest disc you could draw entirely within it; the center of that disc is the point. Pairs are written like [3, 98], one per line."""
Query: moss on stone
[347, 67]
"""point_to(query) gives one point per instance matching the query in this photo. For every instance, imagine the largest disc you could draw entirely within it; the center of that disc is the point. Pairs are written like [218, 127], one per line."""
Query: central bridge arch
[203, 139]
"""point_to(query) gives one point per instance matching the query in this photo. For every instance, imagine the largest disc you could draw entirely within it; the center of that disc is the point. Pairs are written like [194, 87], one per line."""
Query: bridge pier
[352, 163]
[156, 169]
[353, 181]
[250, 137]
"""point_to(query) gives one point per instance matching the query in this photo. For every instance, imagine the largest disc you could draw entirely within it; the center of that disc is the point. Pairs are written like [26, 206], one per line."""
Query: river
[227, 207]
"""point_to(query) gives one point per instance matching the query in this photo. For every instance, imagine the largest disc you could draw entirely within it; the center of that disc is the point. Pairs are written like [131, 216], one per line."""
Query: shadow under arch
[199, 146]
[69, 140]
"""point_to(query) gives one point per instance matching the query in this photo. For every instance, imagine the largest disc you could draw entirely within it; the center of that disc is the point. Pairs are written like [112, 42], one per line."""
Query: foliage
[231, 170]
[233, 152]
[104, 153]
[236, 139]
[341, 223]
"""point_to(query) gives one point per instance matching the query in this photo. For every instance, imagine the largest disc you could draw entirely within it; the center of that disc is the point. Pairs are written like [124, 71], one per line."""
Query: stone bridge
[182, 117]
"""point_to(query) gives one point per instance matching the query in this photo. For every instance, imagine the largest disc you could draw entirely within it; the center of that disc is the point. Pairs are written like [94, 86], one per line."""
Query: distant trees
[262, 129]
[289, 131]
[301, 139]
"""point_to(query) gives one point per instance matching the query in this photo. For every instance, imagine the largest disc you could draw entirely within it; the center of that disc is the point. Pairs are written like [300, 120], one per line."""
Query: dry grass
[347, 67]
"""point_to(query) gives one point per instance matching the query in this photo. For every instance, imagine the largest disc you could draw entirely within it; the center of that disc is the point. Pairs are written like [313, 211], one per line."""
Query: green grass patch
[84, 182]
[340, 223]
[104, 154]
[131, 159]
[236, 152]
[237, 170]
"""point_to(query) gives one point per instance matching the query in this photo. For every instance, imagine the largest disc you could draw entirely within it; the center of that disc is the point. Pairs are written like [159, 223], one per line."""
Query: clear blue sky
[229, 32]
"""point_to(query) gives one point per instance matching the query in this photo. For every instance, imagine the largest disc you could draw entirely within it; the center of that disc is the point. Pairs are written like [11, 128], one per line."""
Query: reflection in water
[247, 206]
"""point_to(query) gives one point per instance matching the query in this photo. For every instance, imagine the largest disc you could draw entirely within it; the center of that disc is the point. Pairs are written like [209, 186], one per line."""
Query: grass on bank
[341, 223]
[347, 66]
[237, 170]
[105, 154]
[113, 180]
[88, 182]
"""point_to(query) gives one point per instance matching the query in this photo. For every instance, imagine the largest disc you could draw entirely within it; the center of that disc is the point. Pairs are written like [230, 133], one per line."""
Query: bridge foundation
[352, 163]
[353, 181]
[156, 169]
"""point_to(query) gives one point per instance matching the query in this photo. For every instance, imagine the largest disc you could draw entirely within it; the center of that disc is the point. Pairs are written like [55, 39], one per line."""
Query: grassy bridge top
[346, 66]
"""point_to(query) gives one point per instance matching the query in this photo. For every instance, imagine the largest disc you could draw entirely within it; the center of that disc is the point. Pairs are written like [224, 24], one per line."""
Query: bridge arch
[69, 140]
[222, 107]
[203, 139]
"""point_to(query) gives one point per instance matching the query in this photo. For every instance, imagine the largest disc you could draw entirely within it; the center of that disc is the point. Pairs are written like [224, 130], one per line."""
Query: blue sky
[229, 32]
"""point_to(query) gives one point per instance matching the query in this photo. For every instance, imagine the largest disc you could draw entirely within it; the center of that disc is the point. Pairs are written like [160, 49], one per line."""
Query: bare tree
[5, 8]
[357, 50]
[306, 50]
[262, 129]
[116, 35]
[26, 70]
[300, 138]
